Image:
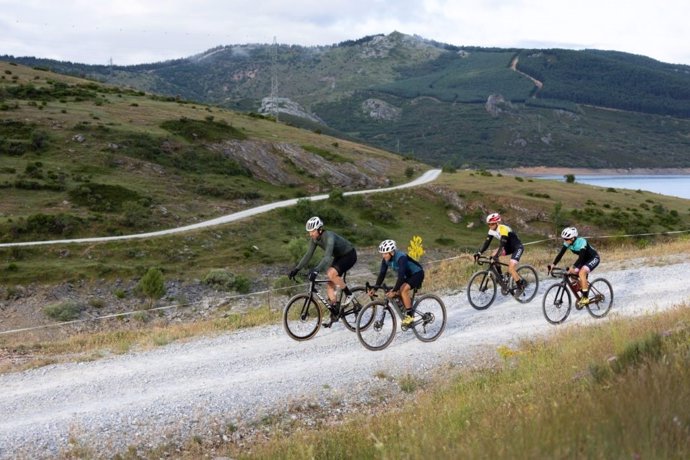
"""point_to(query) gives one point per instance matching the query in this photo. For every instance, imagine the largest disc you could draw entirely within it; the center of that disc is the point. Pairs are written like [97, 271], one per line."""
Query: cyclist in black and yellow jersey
[508, 244]
[339, 255]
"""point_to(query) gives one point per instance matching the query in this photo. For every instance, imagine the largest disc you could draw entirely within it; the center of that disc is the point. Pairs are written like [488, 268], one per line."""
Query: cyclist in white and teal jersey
[339, 255]
[410, 276]
[508, 244]
[587, 260]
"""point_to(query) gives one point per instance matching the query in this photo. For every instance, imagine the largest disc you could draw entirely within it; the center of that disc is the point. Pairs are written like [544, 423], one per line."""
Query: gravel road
[189, 388]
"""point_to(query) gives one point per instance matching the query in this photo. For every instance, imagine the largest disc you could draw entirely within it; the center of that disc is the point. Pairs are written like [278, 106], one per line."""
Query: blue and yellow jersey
[404, 265]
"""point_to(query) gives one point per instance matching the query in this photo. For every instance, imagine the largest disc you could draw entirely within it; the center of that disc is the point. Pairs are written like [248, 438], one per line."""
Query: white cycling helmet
[569, 232]
[493, 218]
[387, 246]
[314, 223]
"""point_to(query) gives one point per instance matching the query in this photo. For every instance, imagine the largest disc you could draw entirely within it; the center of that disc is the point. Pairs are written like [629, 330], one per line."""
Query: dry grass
[91, 346]
[545, 401]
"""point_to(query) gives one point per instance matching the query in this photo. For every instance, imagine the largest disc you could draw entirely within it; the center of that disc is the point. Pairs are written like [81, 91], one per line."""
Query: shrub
[97, 302]
[219, 279]
[336, 196]
[296, 248]
[206, 130]
[152, 285]
[225, 280]
[64, 311]
[103, 197]
[45, 224]
[242, 284]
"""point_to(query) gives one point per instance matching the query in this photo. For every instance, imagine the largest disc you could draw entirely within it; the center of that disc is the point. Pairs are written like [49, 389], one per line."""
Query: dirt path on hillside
[537, 83]
[428, 176]
[239, 379]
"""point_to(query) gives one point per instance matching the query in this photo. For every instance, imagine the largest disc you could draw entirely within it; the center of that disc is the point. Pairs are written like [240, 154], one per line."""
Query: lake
[667, 184]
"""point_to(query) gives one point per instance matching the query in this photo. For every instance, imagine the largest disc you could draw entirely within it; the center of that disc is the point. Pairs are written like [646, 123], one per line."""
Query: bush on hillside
[152, 285]
[224, 280]
[64, 311]
[202, 130]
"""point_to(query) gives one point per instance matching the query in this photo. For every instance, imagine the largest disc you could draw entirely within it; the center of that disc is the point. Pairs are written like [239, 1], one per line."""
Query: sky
[127, 32]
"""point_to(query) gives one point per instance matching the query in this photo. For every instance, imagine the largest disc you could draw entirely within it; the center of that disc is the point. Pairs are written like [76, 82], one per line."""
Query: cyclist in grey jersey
[339, 255]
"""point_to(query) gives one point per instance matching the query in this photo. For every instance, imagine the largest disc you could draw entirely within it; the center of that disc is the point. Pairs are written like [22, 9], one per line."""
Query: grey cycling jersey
[333, 246]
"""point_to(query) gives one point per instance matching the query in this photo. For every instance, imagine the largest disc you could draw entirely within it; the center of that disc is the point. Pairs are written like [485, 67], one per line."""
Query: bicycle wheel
[481, 290]
[600, 298]
[556, 304]
[360, 299]
[302, 317]
[529, 274]
[383, 324]
[429, 317]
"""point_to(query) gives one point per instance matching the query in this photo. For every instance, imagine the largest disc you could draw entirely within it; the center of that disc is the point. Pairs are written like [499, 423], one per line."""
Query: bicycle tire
[556, 309]
[600, 298]
[301, 317]
[529, 274]
[381, 330]
[361, 298]
[430, 317]
[481, 290]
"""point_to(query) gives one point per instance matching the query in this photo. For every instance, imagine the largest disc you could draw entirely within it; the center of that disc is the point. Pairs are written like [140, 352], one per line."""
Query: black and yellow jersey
[508, 239]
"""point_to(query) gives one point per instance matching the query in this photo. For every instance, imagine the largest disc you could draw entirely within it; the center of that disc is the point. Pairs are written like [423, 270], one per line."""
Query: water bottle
[574, 284]
[398, 302]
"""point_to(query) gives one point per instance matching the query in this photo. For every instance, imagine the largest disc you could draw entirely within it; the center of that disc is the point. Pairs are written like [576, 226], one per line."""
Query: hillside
[106, 160]
[445, 104]
[81, 159]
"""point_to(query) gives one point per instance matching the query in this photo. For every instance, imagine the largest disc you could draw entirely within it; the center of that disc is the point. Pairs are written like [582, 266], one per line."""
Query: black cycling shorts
[345, 262]
[517, 253]
[415, 281]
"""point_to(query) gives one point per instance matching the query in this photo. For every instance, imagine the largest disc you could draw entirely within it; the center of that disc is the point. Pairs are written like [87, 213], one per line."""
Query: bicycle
[481, 290]
[303, 312]
[558, 302]
[377, 321]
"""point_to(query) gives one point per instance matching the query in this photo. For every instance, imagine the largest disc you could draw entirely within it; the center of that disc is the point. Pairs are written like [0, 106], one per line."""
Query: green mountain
[443, 104]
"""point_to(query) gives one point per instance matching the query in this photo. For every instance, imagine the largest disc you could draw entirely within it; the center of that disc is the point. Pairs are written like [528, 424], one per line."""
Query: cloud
[135, 31]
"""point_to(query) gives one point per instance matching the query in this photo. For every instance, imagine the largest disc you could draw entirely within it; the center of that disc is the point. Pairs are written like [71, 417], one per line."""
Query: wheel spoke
[430, 318]
[376, 325]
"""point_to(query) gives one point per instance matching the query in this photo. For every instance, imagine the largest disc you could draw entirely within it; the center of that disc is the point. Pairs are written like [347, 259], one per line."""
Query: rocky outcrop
[380, 110]
[272, 105]
[287, 164]
[496, 105]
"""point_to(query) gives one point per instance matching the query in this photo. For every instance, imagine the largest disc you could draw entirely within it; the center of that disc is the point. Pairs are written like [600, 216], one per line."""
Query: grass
[541, 402]
[144, 333]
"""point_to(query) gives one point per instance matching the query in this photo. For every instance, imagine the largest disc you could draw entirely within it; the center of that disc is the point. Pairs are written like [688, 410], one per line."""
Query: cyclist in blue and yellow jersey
[587, 260]
[410, 276]
[508, 244]
[339, 255]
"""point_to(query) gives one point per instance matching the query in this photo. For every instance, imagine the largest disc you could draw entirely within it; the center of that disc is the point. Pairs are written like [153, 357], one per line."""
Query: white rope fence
[273, 292]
